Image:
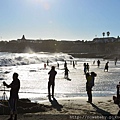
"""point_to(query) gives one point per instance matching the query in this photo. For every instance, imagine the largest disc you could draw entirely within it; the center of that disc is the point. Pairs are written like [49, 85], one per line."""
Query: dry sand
[102, 108]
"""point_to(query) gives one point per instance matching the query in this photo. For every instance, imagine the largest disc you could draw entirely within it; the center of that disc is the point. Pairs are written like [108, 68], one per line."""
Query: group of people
[90, 77]
[15, 86]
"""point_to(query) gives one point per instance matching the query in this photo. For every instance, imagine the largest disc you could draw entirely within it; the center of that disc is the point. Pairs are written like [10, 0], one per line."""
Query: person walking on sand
[15, 86]
[52, 73]
[89, 84]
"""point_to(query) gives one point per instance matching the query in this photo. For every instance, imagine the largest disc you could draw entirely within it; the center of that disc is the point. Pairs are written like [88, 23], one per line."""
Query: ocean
[34, 77]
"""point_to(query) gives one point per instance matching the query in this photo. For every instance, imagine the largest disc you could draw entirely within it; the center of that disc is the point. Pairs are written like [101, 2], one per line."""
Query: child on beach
[52, 73]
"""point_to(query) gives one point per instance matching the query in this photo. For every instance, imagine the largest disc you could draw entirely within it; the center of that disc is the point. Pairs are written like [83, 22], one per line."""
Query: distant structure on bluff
[22, 39]
[104, 40]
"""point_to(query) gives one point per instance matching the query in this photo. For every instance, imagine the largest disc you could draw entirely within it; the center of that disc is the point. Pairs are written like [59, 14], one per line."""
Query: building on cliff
[104, 40]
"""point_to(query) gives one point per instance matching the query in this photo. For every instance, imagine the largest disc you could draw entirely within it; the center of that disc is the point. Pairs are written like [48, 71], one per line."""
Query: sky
[59, 19]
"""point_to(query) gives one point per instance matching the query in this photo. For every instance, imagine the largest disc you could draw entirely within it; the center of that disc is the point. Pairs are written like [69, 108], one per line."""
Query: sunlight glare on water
[34, 78]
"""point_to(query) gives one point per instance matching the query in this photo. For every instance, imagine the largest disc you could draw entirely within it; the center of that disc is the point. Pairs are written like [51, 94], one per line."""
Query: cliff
[75, 48]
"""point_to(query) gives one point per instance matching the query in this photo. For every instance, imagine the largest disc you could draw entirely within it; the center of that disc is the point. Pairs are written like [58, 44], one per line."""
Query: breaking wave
[13, 59]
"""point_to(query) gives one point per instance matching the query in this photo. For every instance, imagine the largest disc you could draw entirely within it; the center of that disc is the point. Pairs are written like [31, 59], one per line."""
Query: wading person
[98, 63]
[52, 73]
[15, 86]
[66, 73]
[106, 67]
[85, 68]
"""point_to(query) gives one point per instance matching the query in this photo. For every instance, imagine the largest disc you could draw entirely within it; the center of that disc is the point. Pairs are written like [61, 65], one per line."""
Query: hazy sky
[59, 19]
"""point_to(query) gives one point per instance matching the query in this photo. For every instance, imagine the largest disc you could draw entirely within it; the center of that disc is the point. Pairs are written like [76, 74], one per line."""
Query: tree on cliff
[108, 33]
[103, 34]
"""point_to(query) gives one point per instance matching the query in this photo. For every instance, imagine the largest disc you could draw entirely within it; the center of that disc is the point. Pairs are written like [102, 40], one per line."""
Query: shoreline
[95, 55]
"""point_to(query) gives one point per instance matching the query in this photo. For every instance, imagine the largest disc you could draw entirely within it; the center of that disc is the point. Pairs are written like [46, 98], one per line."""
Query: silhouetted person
[115, 61]
[89, 87]
[94, 62]
[98, 63]
[89, 84]
[73, 64]
[52, 73]
[106, 66]
[66, 72]
[117, 99]
[58, 65]
[44, 65]
[93, 75]
[15, 86]
[47, 62]
[65, 64]
[85, 68]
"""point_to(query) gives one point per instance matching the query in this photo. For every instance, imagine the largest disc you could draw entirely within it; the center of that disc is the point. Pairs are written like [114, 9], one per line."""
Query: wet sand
[73, 108]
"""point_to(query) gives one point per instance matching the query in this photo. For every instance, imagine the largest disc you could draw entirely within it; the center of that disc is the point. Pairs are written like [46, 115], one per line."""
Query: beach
[70, 95]
[77, 108]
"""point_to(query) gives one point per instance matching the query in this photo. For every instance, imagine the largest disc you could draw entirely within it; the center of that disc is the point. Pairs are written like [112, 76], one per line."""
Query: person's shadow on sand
[55, 104]
[107, 115]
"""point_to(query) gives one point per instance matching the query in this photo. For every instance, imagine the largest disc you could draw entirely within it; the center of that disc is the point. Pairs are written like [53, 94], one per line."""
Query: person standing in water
[65, 64]
[115, 61]
[15, 86]
[66, 73]
[106, 67]
[85, 68]
[52, 73]
[98, 63]
[73, 64]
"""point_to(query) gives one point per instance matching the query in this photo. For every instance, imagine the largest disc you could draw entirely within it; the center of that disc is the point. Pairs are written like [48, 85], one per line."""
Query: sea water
[34, 77]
